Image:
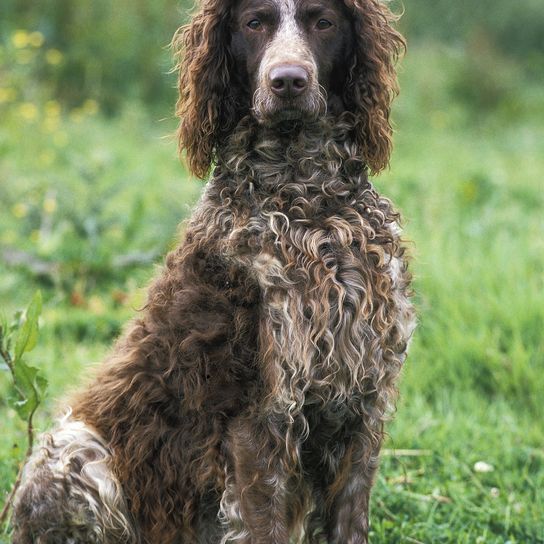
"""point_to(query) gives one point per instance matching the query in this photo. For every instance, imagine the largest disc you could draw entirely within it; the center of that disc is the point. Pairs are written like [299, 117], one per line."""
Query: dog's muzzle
[288, 91]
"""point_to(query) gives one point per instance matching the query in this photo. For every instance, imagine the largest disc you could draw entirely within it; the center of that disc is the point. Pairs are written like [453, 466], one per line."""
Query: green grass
[468, 178]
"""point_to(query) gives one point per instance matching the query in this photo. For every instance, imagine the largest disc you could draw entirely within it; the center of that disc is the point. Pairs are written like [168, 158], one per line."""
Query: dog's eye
[323, 24]
[255, 24]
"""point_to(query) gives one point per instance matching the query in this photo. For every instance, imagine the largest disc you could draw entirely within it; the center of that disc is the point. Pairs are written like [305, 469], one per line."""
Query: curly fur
[247, 402]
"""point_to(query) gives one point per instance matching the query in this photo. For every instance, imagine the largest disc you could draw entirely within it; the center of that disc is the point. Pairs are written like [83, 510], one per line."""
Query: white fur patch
[76, 460]
[288, 46]
[230, 514]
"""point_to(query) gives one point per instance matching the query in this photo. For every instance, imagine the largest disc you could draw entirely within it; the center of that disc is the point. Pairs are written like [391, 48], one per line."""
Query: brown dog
[247, 402]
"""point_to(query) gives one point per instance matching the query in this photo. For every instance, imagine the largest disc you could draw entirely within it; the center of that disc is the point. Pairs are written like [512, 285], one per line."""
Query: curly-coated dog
[247, 402]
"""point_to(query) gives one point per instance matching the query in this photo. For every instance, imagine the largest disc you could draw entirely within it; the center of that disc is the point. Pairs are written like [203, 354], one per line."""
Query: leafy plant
[28, 384]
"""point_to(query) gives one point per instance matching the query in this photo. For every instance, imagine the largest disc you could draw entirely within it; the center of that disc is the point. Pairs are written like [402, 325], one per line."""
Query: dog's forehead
[286, 8]
[281, 6]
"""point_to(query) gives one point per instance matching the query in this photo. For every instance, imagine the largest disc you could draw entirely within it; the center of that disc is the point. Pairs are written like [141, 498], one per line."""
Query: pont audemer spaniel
[246, 403]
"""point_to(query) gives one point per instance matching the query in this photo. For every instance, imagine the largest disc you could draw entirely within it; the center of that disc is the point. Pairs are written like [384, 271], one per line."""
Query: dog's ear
[372, 80]
[206, 115]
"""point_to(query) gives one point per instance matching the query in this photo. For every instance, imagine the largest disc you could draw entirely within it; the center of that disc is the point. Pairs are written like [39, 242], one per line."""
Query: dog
[246, 402]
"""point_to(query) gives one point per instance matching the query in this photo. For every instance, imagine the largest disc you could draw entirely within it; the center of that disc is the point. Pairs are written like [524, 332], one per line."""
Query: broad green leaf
[23, 407]
[28, 333]
[30, 387]
[41, 384]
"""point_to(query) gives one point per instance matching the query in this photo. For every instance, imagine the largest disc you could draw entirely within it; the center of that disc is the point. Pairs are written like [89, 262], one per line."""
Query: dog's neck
[302, 154]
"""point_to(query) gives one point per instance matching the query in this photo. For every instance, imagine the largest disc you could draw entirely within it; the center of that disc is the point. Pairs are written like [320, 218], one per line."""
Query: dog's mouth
[271, 110]
[286, 116]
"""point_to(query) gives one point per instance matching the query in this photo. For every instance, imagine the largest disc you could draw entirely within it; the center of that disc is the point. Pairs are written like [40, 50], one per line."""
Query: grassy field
[88, 204]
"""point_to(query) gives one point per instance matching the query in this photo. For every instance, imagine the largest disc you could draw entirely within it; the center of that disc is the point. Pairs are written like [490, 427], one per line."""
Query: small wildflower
[119, 297]
[482, 466]
[28, 111]
[96, 305]
[20, 210]
[494, 492]
[47, 158]
[36, 39]
[52, 108]
[49, 205]
[90, 107]
[20, 39]
[468, 190]
[7, 95]
[116, 233]
[77, 298]
[53, 57]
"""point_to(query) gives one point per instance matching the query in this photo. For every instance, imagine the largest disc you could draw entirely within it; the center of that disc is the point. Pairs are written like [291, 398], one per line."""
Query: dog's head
[282, 60]
[291, 55]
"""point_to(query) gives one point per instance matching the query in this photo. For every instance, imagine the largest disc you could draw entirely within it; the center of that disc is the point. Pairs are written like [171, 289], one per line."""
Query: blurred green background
[91, 192]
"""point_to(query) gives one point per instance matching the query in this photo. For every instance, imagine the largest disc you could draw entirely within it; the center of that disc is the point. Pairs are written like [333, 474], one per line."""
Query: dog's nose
[288, 80]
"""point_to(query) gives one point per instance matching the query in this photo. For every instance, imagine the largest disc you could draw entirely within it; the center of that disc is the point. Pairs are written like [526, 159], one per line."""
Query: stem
[30, 443]
[9, 500]
[7, 358]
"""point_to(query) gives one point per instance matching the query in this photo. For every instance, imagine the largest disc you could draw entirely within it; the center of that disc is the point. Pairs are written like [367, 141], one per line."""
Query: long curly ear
[201, 49]
[372, 81]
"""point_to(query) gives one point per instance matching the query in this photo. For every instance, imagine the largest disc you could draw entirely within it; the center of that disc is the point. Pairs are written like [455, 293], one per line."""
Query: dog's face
[277, 60]
[291, 55]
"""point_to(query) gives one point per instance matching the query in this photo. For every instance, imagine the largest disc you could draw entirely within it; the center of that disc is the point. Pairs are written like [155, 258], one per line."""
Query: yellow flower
[469, 190]
[53, 57]
[116, 233]
[28, 111]
[20, 38]
[20, 210]
[49, 205]
[90, 107]
[46, 159]
[96, 305]
[7, 95]
[36, 39]
[52, 108]
[35, 236]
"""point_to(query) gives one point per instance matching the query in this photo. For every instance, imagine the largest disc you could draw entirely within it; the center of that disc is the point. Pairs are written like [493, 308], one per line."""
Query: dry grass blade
[406, 453]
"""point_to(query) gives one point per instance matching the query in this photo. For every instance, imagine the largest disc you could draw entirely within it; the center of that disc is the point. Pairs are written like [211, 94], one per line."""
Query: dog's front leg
[349, 493]
[255, 504]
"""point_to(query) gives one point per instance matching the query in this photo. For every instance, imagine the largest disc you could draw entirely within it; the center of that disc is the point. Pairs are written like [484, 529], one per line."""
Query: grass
[468, 178]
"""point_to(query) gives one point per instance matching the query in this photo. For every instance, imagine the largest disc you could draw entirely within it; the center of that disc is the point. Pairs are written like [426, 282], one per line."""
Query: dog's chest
[320, 264]
[320, 288]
